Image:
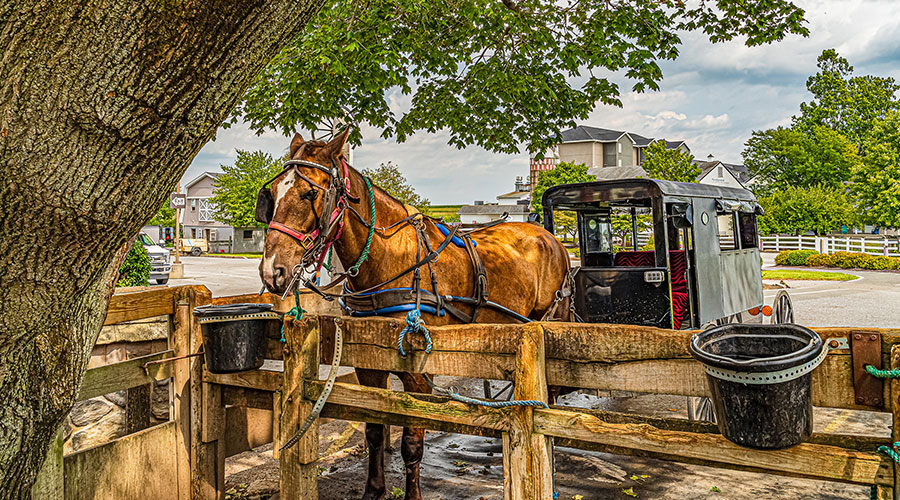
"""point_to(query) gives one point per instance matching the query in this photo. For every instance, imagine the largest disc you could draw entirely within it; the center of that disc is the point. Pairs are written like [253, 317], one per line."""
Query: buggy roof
[629, 191]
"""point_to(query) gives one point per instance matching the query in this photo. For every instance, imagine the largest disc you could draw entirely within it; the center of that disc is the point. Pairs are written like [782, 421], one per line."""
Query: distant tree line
[838, 164]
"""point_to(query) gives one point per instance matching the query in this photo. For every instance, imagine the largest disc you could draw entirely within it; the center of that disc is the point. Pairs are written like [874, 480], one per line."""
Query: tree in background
[800, 158]
[847, 104]
[493, 73]
[165, 217]
[669, 164]
[563, 173]
[135, 104]
[237, 187]
[388, 177]
[793, 210]
[877, 177]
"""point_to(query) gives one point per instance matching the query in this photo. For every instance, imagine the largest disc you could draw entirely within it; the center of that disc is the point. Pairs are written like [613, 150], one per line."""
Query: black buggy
[665, 254]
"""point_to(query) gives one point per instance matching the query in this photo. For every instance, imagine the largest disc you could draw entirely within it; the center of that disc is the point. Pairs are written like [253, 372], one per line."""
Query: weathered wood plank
[341, 412]
[250, 398]
[807, 460]
[139, 465]
[49, 484]
[137, 408]
[263, 380]
[207, 458]
[893, 389]
[527, 457]
[423, 406]
[246, 428]
[298, 473]
[181, 378]
[125, 375]
[139, 305]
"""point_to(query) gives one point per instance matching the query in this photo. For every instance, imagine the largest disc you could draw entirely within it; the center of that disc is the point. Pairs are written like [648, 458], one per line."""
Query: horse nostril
[279, 272]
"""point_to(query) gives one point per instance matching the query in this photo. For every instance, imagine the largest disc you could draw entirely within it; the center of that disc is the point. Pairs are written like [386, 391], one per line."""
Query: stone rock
[108, 428]
[91, 410]
[67, 429]
[159, 402]
[117, 398]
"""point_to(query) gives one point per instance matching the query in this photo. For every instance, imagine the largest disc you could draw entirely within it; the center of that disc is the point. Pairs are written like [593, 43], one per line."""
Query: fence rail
[830, 244]
[215, 416]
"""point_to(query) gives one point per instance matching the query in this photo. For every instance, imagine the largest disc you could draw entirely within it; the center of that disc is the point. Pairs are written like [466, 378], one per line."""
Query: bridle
[328, 225]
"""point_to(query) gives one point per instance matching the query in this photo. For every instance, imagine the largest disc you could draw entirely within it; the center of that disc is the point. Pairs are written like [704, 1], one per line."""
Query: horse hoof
[374, 496]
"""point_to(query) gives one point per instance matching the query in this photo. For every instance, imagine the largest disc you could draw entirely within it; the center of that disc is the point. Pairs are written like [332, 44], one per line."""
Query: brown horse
[524, 264]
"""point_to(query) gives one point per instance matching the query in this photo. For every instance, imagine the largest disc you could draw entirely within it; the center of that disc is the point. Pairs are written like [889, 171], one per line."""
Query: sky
[713, 96]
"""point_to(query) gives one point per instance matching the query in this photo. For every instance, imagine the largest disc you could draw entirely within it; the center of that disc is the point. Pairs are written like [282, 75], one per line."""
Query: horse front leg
[375, 433]
[412, 448]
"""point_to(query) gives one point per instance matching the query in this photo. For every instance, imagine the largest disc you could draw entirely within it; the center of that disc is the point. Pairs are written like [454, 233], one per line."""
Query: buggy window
[747, 225]
[597, 234]
[725, 222]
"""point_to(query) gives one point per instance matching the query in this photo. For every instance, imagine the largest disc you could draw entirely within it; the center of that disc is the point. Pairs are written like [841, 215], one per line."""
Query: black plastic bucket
[760, 380]
[234, 335]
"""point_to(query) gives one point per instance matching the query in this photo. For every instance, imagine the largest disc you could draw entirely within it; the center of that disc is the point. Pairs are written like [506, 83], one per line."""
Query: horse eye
[310, 195]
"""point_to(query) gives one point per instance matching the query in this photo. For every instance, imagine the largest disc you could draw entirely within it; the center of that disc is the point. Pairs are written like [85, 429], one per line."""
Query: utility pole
[177, 271]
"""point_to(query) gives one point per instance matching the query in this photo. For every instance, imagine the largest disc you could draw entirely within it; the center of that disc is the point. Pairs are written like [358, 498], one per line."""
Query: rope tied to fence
[414, 324]
[875, 372]
[295, 312]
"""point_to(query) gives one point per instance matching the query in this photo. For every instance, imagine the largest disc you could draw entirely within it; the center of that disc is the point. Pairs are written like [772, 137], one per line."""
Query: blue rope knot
[296, 312]
[414, 323]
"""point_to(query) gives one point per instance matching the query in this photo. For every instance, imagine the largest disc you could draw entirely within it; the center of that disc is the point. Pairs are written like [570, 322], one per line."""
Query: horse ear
[336, 146]
[295, 145]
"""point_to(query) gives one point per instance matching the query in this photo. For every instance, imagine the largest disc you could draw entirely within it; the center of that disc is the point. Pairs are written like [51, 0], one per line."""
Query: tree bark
[103, 104]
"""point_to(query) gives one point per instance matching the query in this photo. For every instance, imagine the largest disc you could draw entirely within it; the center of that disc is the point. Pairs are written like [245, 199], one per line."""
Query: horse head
[300, 196]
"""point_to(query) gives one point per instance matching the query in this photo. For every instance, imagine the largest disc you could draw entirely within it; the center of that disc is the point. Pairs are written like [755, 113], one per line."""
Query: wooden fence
[215, 415]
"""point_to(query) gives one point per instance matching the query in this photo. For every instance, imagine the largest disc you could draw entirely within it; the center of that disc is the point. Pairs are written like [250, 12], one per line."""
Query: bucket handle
[809, 347]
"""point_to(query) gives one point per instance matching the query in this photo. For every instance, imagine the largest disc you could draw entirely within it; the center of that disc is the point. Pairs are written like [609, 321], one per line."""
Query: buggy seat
[645, 258]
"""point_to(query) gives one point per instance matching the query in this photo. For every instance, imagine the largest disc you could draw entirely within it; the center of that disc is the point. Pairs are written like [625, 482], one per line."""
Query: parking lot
[470, 467]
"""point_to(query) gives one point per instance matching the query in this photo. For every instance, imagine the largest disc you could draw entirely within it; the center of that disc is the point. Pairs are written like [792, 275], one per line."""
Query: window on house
[619, 147]
[248, 234]
[193, 232]
[720, 171]
[619, 163]
[206, 210]
[193, 204]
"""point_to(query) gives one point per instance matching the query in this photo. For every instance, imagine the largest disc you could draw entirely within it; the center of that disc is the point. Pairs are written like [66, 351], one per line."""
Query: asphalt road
[470, 467]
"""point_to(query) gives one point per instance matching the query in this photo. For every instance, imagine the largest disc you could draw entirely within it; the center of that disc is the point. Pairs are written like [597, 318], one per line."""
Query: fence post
[777, 243]
[179, 342]
[894, 393]
[49, 483]
[301, 361]
[527, 457]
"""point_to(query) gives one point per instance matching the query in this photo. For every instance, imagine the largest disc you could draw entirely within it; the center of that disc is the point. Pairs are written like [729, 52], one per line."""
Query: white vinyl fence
[831, 244]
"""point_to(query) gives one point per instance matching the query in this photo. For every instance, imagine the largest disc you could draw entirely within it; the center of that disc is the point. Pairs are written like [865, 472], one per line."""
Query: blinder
[265, 206]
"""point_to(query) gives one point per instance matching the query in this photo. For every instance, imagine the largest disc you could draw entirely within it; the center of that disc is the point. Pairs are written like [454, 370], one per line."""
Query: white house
[480, 213]
[717, 173]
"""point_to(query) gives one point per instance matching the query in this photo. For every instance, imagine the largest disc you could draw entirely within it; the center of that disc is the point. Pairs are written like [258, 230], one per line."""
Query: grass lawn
[806, 275]
[448, 212]
[247, 255]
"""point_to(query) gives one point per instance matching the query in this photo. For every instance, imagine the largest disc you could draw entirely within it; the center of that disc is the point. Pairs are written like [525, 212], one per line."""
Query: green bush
[878, 263]
[135, 270]
[781, 258]
[798, 257]
[819, 260]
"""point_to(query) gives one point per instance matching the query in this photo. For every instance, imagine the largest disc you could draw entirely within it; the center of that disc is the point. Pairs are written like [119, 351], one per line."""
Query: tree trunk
[103, 104]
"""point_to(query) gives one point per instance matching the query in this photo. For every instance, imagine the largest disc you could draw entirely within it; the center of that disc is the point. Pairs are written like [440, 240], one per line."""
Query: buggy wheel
[782, 309]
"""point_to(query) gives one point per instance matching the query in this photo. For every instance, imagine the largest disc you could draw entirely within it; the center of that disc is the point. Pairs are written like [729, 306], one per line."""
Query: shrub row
[844, 260]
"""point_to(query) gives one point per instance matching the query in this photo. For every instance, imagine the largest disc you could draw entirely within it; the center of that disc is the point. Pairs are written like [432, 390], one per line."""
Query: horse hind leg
[375, 436]
[412, 447]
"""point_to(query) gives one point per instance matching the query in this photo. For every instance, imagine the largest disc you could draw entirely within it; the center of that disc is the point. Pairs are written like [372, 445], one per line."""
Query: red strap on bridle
[297, 235]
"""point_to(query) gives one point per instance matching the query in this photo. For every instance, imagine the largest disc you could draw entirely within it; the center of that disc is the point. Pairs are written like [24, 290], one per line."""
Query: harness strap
[480, 291]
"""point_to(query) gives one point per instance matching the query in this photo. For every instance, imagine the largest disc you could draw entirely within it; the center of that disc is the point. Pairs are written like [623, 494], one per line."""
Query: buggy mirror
[682, 215]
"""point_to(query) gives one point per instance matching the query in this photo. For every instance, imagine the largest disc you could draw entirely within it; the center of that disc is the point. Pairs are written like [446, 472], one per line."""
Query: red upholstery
[678, 268]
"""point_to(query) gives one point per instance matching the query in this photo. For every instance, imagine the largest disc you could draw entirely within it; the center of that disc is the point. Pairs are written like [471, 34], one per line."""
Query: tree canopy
[669, 164]
[564, 173]
[844, 103]
[237, 187]
[793, 210]
[803, 158]
[877, 177]
[493, 73]
[165, 217]
[388, 177]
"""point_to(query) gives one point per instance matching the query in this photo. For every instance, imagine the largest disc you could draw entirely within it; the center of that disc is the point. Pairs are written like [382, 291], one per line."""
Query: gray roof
[585, 133]
[596, 134]
[493, 209]
[610, 173]
[590, 193]
[740, 172]
[213, 175]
